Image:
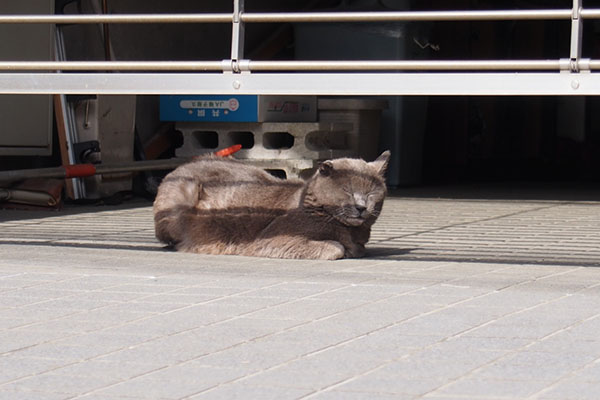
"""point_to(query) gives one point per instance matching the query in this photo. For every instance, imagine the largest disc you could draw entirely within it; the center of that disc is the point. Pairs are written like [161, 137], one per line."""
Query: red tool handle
[79, 170]
[84, 170]
[228, 150]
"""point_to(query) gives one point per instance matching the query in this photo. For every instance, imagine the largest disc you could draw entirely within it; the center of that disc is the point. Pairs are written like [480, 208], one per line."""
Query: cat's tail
[176, 197]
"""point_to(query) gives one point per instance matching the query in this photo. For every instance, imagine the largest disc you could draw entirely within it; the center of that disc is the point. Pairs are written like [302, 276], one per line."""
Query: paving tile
[472, 387]
[49, 383]
[112, 371]
[13, 367]
[398, 385]
[245, 391]
[256, 355]
[590, 373]
[571, 391]
[436, 365]
[345, 395]
[173, 382]
[28, 395]
[65, 352]
[294, 375]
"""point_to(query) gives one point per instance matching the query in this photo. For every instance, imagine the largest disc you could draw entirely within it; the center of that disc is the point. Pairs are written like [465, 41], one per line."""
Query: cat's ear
[381, 162]
[325, 168]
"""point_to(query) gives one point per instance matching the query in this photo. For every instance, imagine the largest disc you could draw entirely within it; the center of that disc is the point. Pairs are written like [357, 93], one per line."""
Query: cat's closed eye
[374, 195]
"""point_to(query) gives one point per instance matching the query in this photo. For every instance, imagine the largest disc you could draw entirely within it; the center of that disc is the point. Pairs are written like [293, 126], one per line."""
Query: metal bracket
[244, 66]
[227, 66]
[83, 150]
[584, 65]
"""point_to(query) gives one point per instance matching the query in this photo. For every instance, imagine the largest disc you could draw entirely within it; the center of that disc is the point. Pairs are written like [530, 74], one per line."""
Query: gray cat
[222, 206]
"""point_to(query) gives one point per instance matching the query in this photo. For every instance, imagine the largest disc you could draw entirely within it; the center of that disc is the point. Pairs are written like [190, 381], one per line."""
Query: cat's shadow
[386, 252]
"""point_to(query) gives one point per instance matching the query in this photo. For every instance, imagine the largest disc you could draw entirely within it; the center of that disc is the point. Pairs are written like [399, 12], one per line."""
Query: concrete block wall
[291, 148]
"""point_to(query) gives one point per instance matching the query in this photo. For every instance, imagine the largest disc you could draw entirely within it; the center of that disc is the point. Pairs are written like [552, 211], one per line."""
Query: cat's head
[349, 190]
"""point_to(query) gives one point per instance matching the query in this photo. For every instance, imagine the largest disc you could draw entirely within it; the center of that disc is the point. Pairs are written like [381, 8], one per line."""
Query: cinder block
[269, 140]
[286, 149]
[347, 128]
[286, 168]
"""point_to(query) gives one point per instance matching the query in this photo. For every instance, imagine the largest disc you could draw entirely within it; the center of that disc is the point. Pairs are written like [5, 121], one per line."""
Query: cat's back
[225, 183]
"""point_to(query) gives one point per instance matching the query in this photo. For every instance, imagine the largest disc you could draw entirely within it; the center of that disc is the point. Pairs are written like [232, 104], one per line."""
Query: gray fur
[221, 206]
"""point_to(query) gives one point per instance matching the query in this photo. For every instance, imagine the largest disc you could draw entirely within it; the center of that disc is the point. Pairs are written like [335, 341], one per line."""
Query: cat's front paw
[355, 251]
[332, 250]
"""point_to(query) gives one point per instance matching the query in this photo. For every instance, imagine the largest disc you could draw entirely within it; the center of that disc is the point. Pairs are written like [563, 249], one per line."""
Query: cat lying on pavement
[222, 206]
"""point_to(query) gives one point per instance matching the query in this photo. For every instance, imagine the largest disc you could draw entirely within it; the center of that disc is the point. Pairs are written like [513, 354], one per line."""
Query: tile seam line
[187, 330]
[80, 312]
[291, 328]
[42, 284]
[515, 351]
[309, 354]
[227, 348]
[563, 378]
[525, 347]
[124, 324]
[459, 334]
[284, 330]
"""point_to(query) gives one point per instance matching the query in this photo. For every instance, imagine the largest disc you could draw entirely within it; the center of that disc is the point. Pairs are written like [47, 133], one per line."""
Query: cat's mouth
[353, 217]
[354, 221]
[350, 216]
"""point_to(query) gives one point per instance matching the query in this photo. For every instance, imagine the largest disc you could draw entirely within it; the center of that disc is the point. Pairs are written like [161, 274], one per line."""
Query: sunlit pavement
[456, 299]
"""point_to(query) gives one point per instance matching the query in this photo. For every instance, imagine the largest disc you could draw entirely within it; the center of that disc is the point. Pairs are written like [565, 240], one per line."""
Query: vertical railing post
[576, 36]
[237, 35]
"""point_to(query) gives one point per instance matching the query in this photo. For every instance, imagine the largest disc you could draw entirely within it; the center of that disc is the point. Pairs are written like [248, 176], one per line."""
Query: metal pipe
[466, 15]
[117, 19]
[65, 172]
[406, 65]
[592, 13]
[83, 170]
[249, 65]
[111, 65]
[106, 32]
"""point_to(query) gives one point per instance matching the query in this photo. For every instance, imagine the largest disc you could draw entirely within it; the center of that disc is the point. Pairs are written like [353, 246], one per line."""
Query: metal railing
[569, 75]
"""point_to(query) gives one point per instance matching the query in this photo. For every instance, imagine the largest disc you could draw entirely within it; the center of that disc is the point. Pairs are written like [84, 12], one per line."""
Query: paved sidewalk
[457, 299]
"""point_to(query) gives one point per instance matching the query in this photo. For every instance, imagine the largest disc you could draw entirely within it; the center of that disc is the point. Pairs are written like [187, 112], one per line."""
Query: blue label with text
[213, 108]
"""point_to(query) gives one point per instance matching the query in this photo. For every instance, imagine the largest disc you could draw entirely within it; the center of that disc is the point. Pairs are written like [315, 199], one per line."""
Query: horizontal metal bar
[367, 16]
[370, 84]
[249, 65]
[117, 18]
[465, 15]
[590, 64]
[92, 169]
[406, 65]
[592, 13]
[113, 65]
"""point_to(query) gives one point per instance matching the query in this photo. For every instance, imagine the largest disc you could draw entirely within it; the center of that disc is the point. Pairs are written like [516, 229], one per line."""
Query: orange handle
[228, 150]
[79, 170]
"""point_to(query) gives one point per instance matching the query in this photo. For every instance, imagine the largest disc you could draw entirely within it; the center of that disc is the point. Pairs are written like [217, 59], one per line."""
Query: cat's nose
[360, 208]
